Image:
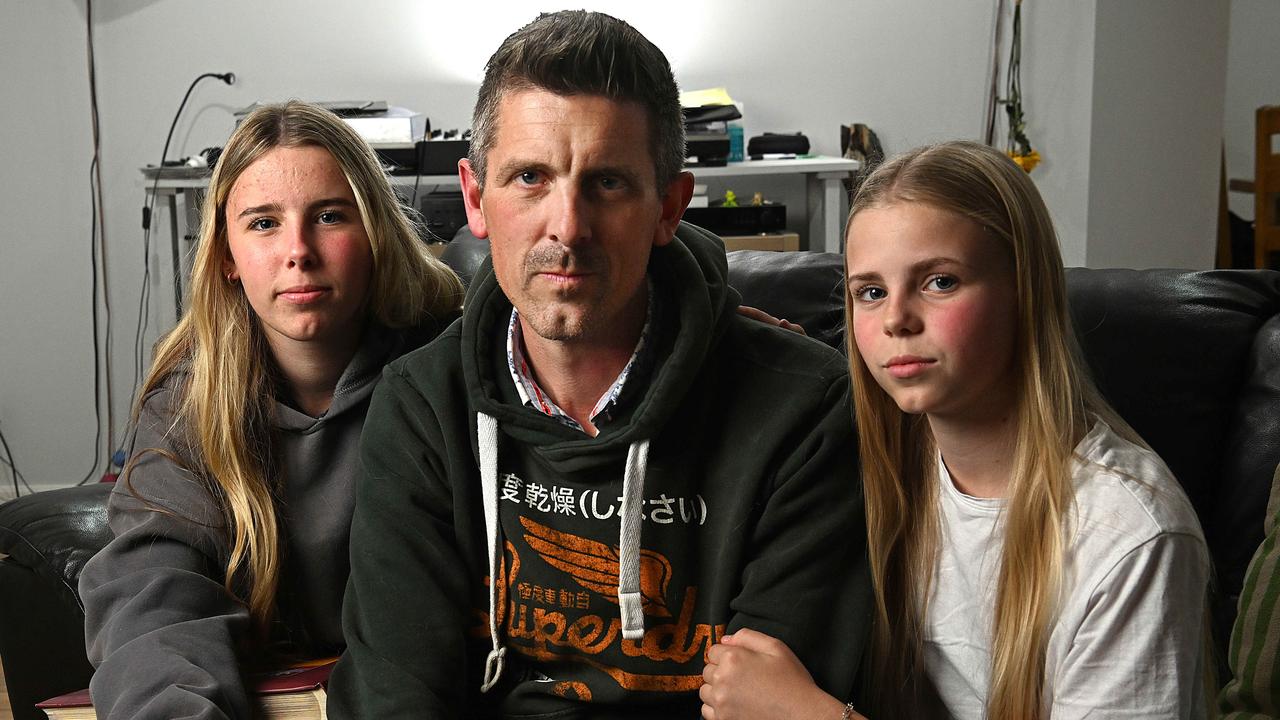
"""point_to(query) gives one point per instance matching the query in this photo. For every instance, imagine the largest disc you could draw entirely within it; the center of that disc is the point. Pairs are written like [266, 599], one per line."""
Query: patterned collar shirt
[532, 396]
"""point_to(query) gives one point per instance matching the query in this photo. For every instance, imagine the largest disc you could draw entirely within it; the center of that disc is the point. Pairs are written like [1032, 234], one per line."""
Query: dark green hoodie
[745, 510]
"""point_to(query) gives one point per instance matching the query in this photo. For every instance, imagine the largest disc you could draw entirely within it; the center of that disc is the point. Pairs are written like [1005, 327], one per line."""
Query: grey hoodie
[167, 639]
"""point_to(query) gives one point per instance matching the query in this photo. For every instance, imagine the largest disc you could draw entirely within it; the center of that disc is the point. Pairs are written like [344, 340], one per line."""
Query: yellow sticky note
[710, 96]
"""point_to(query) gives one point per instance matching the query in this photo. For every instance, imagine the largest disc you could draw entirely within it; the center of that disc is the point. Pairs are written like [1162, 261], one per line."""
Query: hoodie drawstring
[487, 437]
[630, 605]
[630, 598]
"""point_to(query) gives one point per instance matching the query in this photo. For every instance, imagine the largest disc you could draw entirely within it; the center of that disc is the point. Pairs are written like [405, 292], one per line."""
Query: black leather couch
[1191, 359]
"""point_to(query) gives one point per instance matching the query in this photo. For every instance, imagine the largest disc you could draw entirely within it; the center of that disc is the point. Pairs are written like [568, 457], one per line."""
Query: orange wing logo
[594, 565]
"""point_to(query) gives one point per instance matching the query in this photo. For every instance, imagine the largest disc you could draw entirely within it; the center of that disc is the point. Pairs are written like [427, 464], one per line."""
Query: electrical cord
[420, 155]
[147, 208]
[993, 95]
[97, 245]
[413, 211]
[97, 369]
[13, 468]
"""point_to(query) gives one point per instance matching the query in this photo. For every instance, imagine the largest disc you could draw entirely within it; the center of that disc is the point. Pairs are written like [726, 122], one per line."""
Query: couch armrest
[54, 533]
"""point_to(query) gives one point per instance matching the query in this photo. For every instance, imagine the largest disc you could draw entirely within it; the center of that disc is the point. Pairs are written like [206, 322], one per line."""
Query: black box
[709, 149]
[440, 157]
[432, 157]
[773, 143]
[741, 220]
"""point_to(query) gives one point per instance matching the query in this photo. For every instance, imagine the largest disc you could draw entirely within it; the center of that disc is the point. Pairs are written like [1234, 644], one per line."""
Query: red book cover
[306, 676]
[79, 698]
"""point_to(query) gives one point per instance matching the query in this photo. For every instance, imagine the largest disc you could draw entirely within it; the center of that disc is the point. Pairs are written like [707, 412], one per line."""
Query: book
[292, 693]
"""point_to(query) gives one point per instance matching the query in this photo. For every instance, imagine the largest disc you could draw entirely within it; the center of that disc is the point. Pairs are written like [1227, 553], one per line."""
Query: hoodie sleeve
[404, 565]
[160, 627]
[807, 581]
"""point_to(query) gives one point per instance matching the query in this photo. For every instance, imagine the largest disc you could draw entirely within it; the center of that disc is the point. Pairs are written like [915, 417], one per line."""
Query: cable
[16, 490]
[13, 468]
[144, 294]
[993, 95]
[1017, 142]
[228, 78]
[420, 155]
[97, 245]
[97, 376]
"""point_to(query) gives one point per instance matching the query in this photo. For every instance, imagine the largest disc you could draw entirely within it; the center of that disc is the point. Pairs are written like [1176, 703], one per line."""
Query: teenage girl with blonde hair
[1032, 557]
[232, 517]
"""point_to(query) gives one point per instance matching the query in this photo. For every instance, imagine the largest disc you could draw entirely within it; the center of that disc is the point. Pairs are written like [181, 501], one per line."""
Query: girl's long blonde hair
[220, 358]
[1056, 403]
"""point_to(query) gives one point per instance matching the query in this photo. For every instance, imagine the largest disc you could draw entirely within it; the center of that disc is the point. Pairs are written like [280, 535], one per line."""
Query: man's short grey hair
[575, 52]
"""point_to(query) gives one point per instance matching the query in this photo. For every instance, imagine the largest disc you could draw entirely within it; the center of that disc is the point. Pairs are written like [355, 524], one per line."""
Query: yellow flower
[1027, 162]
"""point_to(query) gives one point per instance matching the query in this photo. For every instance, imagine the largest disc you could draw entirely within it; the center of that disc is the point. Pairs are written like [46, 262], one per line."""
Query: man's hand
[751, 676]
[761, 316]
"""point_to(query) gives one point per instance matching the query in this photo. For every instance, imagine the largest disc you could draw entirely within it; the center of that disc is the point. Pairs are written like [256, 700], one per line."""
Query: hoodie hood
[378, 346]
[691, 272]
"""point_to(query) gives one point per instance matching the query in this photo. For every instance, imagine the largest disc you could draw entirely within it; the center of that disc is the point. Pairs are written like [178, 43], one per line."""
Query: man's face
[572, 210]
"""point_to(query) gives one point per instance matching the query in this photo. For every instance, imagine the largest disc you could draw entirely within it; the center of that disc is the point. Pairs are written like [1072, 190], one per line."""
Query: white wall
[1253, 80]
[46, 348]
[1158, 84]
[1057, 88]
[915, 72]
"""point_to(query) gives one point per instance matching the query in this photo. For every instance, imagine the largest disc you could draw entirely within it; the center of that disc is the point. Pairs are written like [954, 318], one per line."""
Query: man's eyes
[604, 182]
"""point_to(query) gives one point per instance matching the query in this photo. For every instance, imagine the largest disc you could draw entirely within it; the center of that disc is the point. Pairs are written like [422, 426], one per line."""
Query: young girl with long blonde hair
[232, 516]
[1033, 558]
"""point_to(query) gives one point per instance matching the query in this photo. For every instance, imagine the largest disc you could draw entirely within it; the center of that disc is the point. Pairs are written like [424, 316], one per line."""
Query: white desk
[823, 176]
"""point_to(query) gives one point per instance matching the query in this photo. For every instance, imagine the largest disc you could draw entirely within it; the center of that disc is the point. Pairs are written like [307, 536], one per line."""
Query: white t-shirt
[1128, 640]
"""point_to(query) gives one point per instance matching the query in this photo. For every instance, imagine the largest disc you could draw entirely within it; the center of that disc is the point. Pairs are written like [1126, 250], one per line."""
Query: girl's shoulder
[1125, 490]
[162, 468]
[158, 420]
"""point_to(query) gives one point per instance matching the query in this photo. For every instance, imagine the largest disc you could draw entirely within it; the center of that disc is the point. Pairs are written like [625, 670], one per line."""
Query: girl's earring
[232, 278]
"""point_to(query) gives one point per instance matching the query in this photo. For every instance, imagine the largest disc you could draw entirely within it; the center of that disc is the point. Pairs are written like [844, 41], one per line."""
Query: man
[601, 469]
